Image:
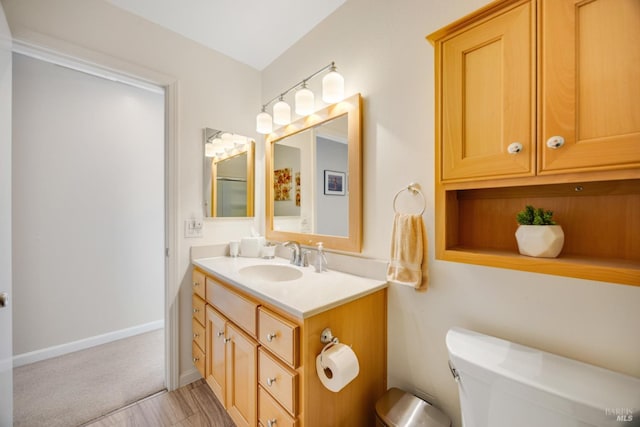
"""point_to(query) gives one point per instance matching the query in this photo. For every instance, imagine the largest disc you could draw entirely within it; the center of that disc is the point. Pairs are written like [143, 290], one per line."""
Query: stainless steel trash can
[397, 408]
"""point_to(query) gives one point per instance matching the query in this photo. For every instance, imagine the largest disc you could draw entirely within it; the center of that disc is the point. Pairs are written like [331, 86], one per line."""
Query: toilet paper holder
[326, 337]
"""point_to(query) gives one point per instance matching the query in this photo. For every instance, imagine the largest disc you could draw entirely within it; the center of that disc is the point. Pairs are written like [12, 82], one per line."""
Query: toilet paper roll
[336, 366]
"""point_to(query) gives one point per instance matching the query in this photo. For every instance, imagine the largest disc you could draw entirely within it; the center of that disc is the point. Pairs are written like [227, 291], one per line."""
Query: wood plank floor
[193, 405]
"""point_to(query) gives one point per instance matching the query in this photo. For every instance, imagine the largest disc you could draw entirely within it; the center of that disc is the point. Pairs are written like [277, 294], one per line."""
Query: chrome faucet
[298, 256]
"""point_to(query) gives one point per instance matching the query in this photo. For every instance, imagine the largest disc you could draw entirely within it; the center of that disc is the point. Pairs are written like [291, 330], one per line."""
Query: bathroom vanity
[257, 326]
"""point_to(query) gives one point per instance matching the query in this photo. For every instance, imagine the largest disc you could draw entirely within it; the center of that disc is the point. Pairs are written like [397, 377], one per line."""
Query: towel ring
[413, 188]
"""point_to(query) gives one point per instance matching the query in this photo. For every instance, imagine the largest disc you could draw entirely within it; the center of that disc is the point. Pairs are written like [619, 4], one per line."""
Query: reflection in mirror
[228, 174]
[313, 179]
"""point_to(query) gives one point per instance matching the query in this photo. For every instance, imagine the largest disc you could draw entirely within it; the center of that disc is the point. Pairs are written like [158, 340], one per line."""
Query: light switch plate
[193, 228]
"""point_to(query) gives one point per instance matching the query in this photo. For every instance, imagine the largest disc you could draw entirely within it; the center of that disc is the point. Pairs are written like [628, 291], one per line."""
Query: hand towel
[408, 247]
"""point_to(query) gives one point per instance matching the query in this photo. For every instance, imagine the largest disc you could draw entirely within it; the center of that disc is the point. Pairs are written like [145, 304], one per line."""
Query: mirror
[228, 174]
[313, 179]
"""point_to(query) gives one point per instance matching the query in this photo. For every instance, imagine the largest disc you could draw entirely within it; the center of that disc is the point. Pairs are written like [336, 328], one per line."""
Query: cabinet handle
[270, 337]
[219, 334]
[514, 148]
[196, 359]
[270, 381]
[195, 336]
[271, 423]
[555, 142]
[196, 310]
[226, 340]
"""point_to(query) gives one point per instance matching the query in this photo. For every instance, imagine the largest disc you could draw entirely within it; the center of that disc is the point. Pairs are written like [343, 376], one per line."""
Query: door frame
[146, 79]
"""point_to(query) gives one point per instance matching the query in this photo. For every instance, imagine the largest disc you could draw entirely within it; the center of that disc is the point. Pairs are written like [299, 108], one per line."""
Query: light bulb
[281, 113]
[332, 87]
[264, 124]
[305, 101]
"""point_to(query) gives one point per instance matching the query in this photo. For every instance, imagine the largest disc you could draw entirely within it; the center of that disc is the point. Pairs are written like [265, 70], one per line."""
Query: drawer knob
[196, 310]
[195, 336]
[196, 284]
[555, 142]
[270, 381]
[196, 359]
[514, 148]
[270, 337]
[272, 422]
[226, 340]
[219, 334]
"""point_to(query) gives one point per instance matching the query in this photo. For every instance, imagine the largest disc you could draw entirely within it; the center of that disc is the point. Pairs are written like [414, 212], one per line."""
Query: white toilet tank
[503, 384]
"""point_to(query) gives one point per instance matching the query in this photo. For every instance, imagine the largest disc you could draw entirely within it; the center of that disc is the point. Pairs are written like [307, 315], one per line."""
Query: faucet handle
[304, 258]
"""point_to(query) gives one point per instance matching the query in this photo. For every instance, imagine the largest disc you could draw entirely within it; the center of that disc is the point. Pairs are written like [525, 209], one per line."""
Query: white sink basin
[270, 272]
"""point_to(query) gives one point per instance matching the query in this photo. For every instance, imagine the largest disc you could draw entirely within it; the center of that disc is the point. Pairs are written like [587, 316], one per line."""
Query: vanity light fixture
[281, 112]
[332, 91]
[305, 100]
[222, 145]
[264, 122]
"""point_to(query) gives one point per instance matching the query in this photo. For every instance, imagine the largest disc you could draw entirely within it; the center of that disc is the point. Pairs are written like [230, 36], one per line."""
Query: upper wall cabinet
[588, 80]
[536, 103]
[589, 85]
[487, 95]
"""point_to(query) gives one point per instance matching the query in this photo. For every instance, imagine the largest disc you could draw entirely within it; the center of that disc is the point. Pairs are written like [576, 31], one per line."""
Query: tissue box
[250, 246]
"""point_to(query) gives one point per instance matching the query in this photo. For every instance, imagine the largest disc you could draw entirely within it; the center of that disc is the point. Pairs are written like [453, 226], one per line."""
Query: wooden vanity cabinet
[527, 72]
[198, 344]
[263, 370]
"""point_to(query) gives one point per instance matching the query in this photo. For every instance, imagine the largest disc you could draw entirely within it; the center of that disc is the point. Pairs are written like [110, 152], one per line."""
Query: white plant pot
[543, 241]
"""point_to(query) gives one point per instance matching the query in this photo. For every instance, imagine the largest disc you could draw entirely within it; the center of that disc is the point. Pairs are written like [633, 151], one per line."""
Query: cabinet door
[487, 97]
[242, 377]
[590, 84]
[215, 353]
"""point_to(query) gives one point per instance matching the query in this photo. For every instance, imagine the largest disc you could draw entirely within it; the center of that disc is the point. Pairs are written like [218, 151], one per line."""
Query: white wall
[379, 47]
[213, 91]
[6, 351]
[88, 205]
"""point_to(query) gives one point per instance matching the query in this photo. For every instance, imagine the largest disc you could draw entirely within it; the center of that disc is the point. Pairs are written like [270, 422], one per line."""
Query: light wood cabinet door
[198, 283]
[590, 84]
[215, 353]
[242, 377]
[487, 97]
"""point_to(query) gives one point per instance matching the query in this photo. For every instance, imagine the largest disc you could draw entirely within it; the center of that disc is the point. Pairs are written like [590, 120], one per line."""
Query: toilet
[503, 384]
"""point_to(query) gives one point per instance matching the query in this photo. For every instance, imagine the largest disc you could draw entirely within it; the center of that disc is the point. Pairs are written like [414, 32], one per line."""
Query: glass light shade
[332, 87]
[239, 140]
[264, 124]
[281, 113]
[305, 102]
[209, 150]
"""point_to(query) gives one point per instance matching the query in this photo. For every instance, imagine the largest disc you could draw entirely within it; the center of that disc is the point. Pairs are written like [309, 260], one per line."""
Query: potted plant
[538, 234]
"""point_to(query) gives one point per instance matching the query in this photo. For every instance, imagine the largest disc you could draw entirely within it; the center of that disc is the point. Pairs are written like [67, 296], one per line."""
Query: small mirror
[228, 174]
[313, 169]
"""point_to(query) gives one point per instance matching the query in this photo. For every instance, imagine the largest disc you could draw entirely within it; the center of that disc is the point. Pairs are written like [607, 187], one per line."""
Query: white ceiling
[254, 32]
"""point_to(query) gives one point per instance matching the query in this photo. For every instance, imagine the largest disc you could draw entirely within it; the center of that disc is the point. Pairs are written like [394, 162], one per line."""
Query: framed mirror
[314, 178]
[228, 174]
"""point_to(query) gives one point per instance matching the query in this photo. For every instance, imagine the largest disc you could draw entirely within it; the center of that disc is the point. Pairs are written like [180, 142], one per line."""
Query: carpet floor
[72, 389]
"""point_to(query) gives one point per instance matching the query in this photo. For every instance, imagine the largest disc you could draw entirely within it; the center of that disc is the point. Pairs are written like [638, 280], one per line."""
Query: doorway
[89, 227]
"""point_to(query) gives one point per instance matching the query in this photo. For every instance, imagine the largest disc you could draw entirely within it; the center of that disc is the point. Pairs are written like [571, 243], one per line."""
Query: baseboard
[190, 376]
[59, 350]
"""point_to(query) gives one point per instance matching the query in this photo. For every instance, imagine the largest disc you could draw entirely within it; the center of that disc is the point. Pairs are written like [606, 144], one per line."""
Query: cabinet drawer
[198, 308]
[278, 381]
[278, 335]
[198, 333]
[235, 307]
[271, 414]
[198, 283]
[198, 357]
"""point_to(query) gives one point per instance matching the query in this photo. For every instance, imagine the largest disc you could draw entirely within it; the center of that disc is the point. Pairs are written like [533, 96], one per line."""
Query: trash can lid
[397, 408]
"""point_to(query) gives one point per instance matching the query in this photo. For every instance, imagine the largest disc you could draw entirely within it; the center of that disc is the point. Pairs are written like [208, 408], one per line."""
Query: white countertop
[307, 296]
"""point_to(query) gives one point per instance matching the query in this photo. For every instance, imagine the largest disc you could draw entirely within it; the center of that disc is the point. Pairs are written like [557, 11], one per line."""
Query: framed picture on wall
[334, 183]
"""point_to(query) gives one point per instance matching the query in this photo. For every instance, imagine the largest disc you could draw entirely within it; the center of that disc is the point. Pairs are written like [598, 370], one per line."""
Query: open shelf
[601, 223]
